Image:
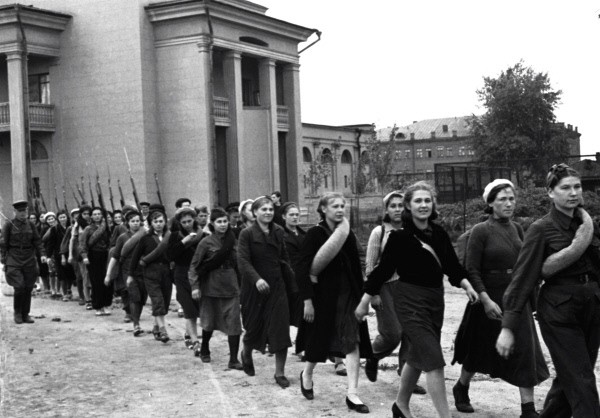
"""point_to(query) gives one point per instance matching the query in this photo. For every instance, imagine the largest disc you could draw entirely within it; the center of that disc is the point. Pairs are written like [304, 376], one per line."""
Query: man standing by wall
[19, 245]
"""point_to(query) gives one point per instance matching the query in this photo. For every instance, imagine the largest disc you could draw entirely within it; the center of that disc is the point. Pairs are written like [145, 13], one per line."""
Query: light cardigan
[375, 248]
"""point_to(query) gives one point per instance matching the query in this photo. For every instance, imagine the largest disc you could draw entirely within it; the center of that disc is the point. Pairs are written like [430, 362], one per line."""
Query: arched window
[306, 155]
[326, 155]
[346, 157]
[38, 151]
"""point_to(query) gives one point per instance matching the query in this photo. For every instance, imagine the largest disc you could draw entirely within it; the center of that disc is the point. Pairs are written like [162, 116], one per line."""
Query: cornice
[229, 13]
[15, 47]
[230, 45]
[35, 17]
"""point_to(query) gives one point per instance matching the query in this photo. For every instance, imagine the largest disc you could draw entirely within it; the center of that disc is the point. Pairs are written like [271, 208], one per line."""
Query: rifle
[91, 193]
[135, 195]
[82, 191]
[65, 198]
[158, 189]
[56, 200]
[121, 193]
[33, 203]
[110, 193]
[101, 202]
[43, 202]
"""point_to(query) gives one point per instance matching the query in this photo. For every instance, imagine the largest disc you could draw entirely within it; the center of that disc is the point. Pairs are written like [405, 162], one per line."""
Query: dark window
[345, 181]
[445, 128]
[306, 155]
[326, 155]
[39, 88]
[346, 157]
[38, 151]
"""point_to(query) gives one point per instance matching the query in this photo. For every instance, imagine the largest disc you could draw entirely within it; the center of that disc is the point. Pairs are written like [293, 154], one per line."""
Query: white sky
[396, 61]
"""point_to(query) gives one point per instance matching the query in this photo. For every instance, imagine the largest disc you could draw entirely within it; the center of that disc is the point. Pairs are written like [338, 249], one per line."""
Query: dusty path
[94, 367]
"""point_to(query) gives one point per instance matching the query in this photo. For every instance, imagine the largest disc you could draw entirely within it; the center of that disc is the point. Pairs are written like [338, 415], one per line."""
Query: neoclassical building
[205, 95]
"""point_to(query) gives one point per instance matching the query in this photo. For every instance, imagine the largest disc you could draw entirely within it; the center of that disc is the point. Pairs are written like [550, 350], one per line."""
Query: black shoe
[187, 340]
[419, 390]
[396, 412]
[156, 332]
[461, 398]
[530, 414]
[196, 348]
[307, 393]
[248, 365]
[28, 320]
[18, 319]
[205, 356]
[282, 381]
[371, 369]
[235, 365]
[358, 407]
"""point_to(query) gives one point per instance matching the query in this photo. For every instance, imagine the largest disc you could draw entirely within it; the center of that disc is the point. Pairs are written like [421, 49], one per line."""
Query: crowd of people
[251, 272]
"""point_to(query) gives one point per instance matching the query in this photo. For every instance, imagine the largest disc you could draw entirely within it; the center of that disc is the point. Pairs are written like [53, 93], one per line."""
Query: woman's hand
[63, 260]
[142, 263]
[361, 311]
[188, 238]
[470, 292]
[262, 286]
[492, 310]
[129, 280]
[86, 261]
[107, 281]
[505, 343]
[196, 294]
[376, 303]
[70, 260]
[309, 311]
[314, 279]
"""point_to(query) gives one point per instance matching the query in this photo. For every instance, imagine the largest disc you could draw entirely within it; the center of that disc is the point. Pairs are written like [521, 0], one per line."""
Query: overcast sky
[396, 61]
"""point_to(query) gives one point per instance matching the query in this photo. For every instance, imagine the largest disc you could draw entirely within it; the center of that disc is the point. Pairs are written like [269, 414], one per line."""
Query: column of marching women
[250, 271]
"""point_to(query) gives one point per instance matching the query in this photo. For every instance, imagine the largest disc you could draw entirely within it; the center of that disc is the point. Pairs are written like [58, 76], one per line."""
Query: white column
[18, 104]
[268, 91]
[232, 73]
[291, 94]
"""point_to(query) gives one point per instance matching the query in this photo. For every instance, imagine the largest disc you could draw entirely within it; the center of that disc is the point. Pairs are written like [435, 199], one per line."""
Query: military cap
[144, 204]
[20, 204]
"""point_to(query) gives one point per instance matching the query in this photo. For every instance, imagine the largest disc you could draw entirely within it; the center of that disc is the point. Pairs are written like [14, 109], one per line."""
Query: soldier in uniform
[19, 245]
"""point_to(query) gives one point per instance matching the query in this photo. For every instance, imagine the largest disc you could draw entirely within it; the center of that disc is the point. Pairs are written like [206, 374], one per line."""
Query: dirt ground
[93, 367]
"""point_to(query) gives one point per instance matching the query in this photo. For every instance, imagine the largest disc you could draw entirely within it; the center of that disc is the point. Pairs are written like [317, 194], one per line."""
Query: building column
[19, 132]
[268, 93]
[205, 113]
[291, 97]
[232, 73]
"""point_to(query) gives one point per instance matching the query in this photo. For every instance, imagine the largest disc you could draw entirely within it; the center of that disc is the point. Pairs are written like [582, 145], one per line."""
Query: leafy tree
[519, 125]
[379, 158]
[319, 168]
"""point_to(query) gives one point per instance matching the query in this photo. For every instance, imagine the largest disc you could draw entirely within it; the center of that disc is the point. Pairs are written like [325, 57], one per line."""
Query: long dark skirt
[475, 346]
[266, 317]
[101, 294]
[184, 292]
[421, 316]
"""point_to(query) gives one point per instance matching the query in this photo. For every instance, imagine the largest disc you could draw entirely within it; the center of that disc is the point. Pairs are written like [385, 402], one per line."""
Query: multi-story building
[204, 94]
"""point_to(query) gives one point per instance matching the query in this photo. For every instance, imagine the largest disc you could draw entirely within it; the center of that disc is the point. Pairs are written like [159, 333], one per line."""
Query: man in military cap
[19, 245]
[145, 209]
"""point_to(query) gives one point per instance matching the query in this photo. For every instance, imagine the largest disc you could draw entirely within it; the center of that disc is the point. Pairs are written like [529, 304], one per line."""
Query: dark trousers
[66, 276]
[157, 278]
[137, 296]
[22, 279]
[22, 301]
[569, 318]
[101, 294]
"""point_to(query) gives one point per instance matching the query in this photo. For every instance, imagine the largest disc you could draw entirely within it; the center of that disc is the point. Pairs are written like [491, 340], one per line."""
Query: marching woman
[293, 237]
[214, 281]
[135, 295]
[65, 273]
[83, 279]
[386, 304]
[185, 236]
[331, 282]
[156, 273]
[50, 221]
[492, 252]
[93, 246]
[246, 215]
[563, 248]
[265, 273]
[421, 253]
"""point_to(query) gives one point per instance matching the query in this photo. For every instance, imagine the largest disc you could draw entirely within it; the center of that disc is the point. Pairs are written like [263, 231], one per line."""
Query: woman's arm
[567, 256]
[193, 276]
[387, 265]
[244, 258]
[160, 249]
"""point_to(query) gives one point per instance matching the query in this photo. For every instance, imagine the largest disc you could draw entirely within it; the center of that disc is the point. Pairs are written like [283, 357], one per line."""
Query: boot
[26, 305]
[17, 306]
[461, 398]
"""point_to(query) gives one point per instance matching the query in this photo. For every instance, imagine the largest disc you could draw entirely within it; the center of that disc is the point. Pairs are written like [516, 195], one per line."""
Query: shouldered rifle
[110, 193]
[158, 189]
[135, 195]
[122, 199]
[56, 200]
[91, 193]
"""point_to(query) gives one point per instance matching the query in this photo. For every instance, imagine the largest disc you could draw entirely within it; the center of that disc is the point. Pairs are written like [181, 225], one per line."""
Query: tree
[519, 125]
[379, 158]
[317, 170]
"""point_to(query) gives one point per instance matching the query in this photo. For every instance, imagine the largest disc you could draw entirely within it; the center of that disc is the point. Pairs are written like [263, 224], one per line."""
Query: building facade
[204, 95]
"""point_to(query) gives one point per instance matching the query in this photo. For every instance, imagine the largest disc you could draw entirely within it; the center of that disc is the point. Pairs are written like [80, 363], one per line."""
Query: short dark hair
[276, 193]
[179, 202]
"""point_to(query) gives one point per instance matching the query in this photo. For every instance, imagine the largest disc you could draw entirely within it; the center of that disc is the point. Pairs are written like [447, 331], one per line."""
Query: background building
[205, 95]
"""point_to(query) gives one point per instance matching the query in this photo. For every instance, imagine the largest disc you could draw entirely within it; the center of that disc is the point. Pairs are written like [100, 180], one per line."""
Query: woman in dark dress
[185, 236]
[331, 281]
[263, 263]
[421, 253]
[492, 252]
[293, 237]
[93, 244]
[563, 248]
